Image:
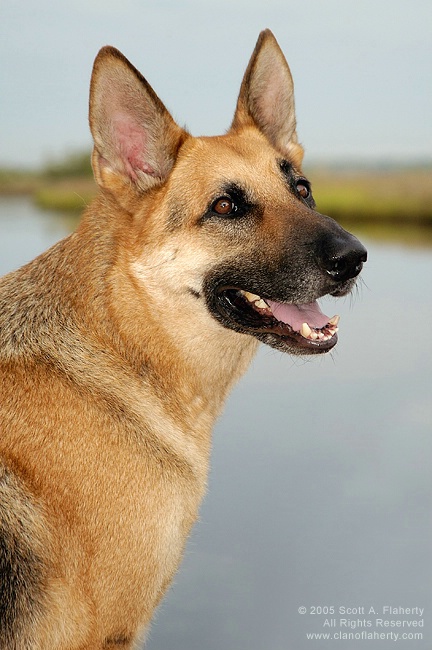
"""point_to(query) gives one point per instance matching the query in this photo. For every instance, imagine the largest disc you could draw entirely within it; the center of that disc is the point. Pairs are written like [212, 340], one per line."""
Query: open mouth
[298, 326]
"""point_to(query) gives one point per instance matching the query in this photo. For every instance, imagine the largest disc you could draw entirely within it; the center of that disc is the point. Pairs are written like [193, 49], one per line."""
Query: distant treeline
[72, 166]
[375, 194]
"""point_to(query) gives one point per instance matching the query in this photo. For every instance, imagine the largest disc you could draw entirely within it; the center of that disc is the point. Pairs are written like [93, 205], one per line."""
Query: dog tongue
[296, 315]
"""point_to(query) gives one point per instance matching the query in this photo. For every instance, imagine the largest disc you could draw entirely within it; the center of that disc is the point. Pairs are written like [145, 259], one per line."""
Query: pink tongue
[296, 315]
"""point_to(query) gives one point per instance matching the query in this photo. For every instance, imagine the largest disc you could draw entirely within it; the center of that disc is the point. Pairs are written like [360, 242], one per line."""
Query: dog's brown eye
[224, 206]
[303, 189]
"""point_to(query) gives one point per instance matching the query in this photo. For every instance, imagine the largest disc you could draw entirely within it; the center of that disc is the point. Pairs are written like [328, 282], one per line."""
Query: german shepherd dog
[119, 346]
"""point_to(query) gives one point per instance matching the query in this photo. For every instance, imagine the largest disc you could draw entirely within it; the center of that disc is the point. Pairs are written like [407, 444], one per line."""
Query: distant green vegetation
[66, 185]
[375, 196]
[76, 165]
[17, 181]
[65, 196]
[385, 195]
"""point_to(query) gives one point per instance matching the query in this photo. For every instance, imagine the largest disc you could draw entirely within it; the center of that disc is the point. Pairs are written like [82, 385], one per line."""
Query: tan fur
[113, 372]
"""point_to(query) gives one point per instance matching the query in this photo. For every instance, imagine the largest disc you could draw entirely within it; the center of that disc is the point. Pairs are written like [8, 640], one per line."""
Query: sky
[362, 70]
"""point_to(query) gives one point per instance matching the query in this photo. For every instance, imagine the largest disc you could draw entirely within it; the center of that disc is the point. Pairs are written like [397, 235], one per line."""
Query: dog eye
[303, 189]
[224, 206]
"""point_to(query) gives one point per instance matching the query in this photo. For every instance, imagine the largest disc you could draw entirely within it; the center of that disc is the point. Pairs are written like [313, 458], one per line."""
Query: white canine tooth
[305, 330]
[252, 297]
[334, 321]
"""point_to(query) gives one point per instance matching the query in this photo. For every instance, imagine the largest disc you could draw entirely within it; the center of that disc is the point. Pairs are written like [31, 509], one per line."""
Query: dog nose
[342, 257]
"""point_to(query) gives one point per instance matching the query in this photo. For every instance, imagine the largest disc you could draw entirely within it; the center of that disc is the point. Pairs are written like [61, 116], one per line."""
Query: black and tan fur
[118, 347]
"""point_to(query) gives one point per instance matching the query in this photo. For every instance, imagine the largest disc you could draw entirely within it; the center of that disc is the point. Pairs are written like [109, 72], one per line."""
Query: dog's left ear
[266, 98]
[136, 140]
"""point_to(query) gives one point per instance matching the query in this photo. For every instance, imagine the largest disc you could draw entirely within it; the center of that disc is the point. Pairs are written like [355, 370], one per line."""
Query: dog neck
[180, 353]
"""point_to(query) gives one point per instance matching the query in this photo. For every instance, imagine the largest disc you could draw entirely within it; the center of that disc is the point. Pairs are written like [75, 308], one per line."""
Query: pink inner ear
[272, 97]
[270, 102]
[130, 140]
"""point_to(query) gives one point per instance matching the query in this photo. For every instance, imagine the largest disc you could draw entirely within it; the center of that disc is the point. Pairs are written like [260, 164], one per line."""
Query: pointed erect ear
[267, 98]
[135, 138]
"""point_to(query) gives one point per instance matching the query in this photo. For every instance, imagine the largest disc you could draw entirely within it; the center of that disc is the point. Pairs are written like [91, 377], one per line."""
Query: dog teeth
[323, 334]
[255, 300]
[307, 332]
[250, 296]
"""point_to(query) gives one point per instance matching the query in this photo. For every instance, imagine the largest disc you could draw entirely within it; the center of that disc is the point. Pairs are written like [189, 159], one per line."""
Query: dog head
[223, 230]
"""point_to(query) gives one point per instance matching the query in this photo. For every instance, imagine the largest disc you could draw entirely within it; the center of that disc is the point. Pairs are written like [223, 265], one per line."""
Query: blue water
[320, 493]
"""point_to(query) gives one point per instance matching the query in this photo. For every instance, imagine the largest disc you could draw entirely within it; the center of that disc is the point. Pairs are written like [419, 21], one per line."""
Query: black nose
[342, 256]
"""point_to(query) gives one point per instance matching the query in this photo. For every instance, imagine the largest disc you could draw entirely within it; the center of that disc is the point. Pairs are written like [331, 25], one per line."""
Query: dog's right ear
[266, 98]
[135, 138]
